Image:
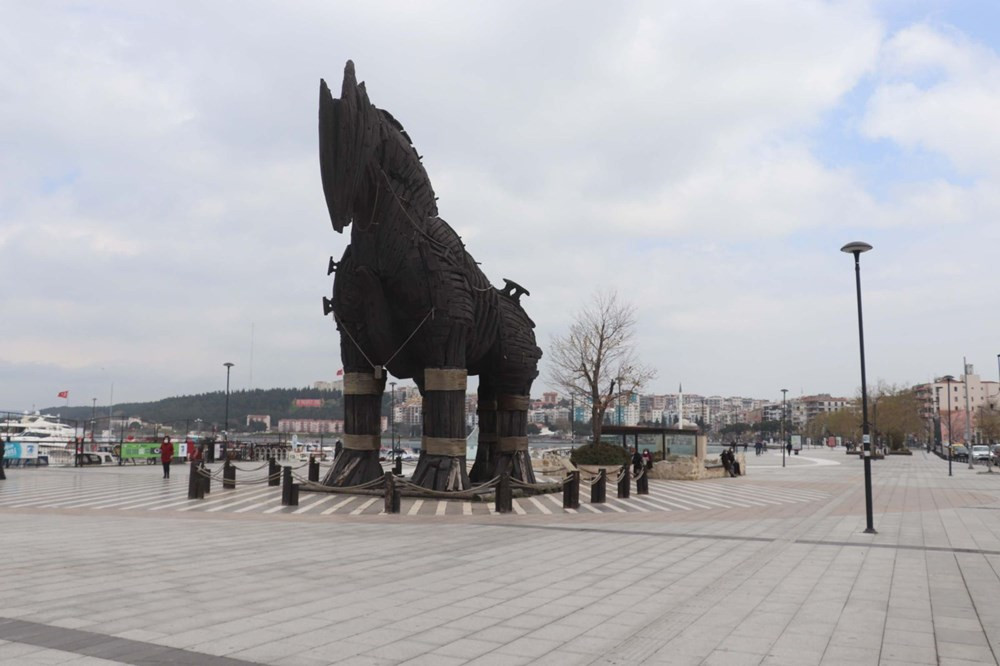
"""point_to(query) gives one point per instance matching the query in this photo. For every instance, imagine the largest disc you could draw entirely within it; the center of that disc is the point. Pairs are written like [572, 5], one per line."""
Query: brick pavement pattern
[109, 566]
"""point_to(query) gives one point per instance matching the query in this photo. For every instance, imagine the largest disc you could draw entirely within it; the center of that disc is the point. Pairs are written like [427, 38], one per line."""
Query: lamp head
[857, 247]
[228, 365]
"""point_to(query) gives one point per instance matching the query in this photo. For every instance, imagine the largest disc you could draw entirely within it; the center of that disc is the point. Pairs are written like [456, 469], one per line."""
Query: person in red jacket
[166, 455]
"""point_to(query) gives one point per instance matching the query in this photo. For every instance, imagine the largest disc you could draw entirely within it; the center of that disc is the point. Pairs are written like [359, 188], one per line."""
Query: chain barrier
[448, 494]
[248, 482]
[320, 488]
[541, 487]
[250, 470]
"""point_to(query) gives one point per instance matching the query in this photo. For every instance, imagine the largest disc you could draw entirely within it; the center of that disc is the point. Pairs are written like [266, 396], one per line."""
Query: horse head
[362, 150]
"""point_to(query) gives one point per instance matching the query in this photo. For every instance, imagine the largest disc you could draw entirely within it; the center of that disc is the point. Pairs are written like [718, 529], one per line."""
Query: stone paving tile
[781, 583]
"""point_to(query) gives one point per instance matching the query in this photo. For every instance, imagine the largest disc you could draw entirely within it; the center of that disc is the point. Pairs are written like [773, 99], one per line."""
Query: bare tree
[988, 421]
[596, 360]
[896, 413]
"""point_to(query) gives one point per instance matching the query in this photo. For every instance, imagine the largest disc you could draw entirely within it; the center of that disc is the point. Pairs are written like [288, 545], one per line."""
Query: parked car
[980, 452]
[959, 452]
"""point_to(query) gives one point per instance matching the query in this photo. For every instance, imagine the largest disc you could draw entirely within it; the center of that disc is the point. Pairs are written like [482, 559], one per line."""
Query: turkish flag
[340, 372]
[64, 394]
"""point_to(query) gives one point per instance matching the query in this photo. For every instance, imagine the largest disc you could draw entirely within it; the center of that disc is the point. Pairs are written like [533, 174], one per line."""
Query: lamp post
[937, 404]
[968, 412]
[392, 418]
[948, 379]
[784, 393]
[229, 366]
[856, 248]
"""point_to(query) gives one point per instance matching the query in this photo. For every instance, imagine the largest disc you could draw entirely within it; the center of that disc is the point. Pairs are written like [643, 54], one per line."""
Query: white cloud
[939, 92]
[160, 165]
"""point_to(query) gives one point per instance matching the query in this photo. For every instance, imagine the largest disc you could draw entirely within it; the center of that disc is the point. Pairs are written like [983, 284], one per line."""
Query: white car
[980, 452]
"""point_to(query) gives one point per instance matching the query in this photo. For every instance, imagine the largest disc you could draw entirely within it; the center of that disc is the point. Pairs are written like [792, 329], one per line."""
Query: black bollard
[273, 472]
[598, 489]
[642, 483]
[391, 494]
[289, 489]
[196, 489]
[228, 476]
[397, 467]
[206, 479]
[625, 482]
[3, 445]
[313, 469]
[504, 495]
[571, 491]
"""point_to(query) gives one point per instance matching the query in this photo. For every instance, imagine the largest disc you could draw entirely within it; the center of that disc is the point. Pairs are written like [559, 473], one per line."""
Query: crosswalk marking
[364, 506]
[138, 489]
[544, 509]
[336, 506]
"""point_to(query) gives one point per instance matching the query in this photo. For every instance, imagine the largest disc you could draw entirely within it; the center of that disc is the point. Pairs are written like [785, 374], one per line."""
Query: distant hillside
[211, 407]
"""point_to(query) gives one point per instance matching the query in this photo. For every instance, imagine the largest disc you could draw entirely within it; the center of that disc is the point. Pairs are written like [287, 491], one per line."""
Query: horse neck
[378, 223]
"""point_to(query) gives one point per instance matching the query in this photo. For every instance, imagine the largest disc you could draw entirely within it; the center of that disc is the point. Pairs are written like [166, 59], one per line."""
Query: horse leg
[441, 465]
[358, 460]
[512, 440]
[484, 468]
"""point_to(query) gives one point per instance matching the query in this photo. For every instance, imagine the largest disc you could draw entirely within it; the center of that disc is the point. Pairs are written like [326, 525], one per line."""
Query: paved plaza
[116, 565]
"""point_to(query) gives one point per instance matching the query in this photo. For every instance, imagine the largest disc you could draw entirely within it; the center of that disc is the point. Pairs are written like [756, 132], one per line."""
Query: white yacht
[52, 438]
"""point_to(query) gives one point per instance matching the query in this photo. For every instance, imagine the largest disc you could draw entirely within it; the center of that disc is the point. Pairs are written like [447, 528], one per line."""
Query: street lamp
[937, 404]
[229, 366]
[392, 418]
[784, 392]
[948, 379]
[968, 412]
[856, 248]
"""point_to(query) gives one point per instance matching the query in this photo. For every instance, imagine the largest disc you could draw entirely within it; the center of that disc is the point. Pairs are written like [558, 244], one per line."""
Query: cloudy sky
[161, 210]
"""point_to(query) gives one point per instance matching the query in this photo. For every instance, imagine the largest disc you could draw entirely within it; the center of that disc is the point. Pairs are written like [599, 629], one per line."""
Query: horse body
[408, 297]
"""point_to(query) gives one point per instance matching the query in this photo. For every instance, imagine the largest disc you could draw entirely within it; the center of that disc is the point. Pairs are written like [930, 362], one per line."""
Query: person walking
[166, 455]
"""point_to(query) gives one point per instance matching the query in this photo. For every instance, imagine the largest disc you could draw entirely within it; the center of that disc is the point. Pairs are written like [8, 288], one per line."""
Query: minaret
[680, 405]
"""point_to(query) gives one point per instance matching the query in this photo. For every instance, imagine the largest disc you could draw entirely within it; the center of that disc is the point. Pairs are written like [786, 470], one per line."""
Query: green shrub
[599, 454]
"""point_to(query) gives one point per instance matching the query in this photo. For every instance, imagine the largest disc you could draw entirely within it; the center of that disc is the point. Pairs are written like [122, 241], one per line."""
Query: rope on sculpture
[427, 316]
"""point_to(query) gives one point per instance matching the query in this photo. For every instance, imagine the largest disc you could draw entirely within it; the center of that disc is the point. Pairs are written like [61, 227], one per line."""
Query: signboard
[796, 442]
[20, 451]
[308, 402]
[140, 450]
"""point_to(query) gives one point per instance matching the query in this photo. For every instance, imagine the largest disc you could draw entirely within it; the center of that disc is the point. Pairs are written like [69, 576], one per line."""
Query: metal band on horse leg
[511, 444]
[360, 383]
[362, 442]
[513, 403]
[445, 379]
[443, 446]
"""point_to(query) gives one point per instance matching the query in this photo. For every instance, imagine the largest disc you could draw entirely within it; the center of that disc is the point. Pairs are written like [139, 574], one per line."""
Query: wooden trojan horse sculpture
[409, 299]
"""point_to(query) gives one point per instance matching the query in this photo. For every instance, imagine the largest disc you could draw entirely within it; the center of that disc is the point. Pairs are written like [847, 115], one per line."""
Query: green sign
[140, 450]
